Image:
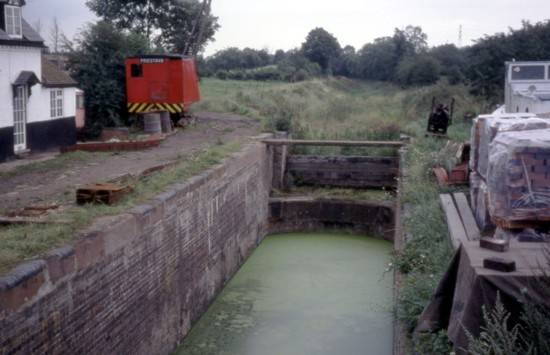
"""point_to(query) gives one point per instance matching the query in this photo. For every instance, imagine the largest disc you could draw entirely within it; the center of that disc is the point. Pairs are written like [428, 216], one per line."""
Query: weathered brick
[89, 250]
[120, 233]
[61, 263]
[134, 284]
[21, 286]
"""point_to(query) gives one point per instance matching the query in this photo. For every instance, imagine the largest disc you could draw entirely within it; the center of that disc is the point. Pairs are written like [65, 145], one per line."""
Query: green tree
[322, 48]
[346, 64]
[378, 60]
[452, 61]
[141, 16]
[417, 70]
[97, 64]
[279, 56]
[296, 67]
[486, 58]
[177, 25]
[415, 38]
[186, 26]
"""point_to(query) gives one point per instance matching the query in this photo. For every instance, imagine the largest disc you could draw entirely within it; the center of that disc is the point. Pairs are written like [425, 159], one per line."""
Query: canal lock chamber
[138, 282]
[319, 283]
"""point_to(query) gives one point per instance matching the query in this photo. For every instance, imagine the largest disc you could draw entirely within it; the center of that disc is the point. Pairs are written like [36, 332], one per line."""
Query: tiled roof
[3, 35]
[29, 33]
[52, 76]
[30, 36]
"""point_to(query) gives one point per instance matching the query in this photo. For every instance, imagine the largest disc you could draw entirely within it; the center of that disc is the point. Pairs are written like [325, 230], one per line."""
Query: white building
[528, 88]
[37, 100]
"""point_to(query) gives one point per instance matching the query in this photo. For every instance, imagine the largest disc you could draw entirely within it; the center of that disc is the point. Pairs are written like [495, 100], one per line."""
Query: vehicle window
[137, 70]
[528, 72]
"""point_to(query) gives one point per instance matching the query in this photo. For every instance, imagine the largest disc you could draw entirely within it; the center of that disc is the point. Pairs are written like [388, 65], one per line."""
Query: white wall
[39, 105]
[14, 60]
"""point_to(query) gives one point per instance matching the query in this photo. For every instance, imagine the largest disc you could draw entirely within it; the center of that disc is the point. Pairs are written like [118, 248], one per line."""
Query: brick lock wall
[309, 214]
[135, 283]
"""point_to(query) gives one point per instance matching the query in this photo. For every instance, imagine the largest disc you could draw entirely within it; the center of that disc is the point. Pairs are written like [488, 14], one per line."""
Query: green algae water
[302, 294]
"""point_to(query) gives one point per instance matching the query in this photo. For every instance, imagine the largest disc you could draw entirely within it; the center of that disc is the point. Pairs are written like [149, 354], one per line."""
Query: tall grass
[345, 109]
[335, 108]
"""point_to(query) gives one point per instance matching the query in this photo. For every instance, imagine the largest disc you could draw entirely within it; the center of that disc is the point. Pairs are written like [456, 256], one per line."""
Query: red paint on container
[161, 82]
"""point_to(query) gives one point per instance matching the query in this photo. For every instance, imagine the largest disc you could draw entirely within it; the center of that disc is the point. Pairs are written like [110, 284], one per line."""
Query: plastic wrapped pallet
[474, 141]
[481, 213]
[519, 177]
[475, 183]
[479, 200]
[489, 128]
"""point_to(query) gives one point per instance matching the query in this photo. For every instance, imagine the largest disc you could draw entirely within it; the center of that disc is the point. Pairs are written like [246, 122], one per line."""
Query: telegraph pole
[460, 36]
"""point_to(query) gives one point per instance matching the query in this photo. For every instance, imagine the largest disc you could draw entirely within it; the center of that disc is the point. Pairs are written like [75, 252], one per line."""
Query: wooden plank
[387, 144]
[467, 216]
[454, 223]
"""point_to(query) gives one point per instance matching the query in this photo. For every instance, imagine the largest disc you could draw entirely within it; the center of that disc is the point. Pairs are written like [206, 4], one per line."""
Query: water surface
[303, 294]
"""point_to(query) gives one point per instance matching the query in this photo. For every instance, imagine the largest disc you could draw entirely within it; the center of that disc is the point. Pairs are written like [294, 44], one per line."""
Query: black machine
[441, 117]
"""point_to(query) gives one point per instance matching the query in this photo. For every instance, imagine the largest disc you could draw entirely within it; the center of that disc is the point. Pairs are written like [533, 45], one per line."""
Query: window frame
[80, 104]
[136, 70]
[16, 29]
[545, 75]
[57, 101]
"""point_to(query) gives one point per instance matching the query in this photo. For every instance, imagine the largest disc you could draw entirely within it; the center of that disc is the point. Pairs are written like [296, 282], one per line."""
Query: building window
[80, 102]
[56, 103]
[13, 21]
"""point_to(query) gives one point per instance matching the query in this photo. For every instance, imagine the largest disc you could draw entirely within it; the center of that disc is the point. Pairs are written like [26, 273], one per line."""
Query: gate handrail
[334, 143]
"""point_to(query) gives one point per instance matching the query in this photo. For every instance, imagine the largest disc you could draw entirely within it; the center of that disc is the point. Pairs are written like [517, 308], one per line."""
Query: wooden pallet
[520, 224]
[460, 219]
[108, 194]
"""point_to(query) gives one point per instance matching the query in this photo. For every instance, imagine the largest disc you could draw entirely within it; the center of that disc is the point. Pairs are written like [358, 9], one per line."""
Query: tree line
[403, 58]
[133, 27]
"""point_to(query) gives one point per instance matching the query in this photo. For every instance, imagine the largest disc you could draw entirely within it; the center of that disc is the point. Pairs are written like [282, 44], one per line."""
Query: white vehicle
[528, 88]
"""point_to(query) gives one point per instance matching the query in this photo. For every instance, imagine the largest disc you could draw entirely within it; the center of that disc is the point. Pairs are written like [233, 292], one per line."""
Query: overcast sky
[275, 24]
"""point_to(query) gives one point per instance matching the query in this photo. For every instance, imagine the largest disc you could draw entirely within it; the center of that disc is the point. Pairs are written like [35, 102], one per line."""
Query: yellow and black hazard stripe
[141, 107]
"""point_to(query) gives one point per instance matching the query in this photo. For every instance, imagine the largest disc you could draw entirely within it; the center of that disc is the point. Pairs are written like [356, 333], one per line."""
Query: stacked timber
[519, 179]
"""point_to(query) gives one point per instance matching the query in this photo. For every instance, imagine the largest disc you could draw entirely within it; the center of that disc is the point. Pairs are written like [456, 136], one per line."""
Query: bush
[433, 344]
[418, 70]
[98, 66]
[266, 74]
[300, 75]
[222, 75]
[236, 75]
[455, 76]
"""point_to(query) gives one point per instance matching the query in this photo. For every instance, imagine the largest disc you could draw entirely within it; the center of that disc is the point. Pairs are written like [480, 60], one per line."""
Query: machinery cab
[166, 82]
[527, 87]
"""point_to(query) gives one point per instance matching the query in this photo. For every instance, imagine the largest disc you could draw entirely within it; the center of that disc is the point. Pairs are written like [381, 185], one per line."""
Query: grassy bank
[18, 243]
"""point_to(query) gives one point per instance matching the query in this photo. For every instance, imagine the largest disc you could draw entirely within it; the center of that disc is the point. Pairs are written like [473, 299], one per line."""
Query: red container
[161, 83]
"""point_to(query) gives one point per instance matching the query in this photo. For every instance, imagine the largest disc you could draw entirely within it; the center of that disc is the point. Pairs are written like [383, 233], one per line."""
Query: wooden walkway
[460, 219]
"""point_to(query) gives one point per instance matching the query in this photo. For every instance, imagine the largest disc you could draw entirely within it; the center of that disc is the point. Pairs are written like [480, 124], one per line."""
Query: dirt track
[50, 185]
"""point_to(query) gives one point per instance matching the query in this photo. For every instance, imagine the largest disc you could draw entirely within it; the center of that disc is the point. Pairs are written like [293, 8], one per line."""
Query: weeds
[58, 163]
[497, 336]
